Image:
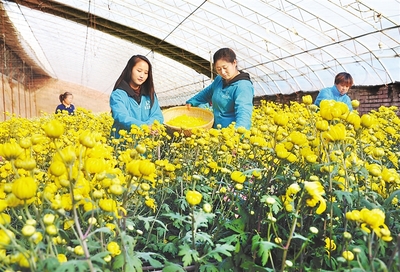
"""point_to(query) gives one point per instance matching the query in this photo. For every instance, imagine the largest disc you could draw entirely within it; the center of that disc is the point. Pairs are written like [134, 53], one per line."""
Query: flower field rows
[304, 189]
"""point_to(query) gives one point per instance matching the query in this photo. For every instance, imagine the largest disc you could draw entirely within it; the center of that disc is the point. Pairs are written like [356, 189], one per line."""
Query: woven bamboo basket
[173, 112]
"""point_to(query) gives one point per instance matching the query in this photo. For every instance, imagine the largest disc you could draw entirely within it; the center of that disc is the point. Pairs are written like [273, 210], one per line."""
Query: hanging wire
[176, 27]
[86, 41]
[30, 28]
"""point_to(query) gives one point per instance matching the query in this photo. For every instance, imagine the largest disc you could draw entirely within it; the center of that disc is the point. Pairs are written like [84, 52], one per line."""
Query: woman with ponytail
[66, 103]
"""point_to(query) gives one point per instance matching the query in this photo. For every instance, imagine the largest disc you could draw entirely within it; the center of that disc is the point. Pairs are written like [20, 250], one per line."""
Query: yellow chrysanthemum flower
[329, 245]
[315, 190]
[238, 176]
[114, 249]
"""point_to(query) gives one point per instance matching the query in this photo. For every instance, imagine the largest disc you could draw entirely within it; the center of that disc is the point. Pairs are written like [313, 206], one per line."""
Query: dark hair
[127, 75]
[226, 54]
[344, 78]
[63, 96]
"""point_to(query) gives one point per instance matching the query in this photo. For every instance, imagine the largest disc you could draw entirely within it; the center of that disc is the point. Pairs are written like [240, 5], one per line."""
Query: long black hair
[126, 75]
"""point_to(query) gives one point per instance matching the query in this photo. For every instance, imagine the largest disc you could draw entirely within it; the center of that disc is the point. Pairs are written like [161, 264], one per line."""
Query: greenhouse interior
[199, 135]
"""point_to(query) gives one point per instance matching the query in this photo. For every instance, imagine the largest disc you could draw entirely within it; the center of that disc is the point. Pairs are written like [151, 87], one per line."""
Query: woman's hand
[153, 131]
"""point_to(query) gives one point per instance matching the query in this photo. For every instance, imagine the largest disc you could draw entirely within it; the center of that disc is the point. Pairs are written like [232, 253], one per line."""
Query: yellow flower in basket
[185, 121]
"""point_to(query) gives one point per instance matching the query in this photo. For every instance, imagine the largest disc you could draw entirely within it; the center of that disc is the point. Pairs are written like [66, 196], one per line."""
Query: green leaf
[390, 198]
[165, 207]
[249, 172]
[49, 264]
[201, 218]
[189, 255]
[223, 249]
[161, 232]
[177, 219]
[147, 256]
[264, 250]
[73, 266]
[236, 225]
[103, 229]
[132, 263]
[182, 203]
[342, 195]
[150, 219]
[118, 261]
[171, 267]
[204, 237]
[129, 241]
[209, 268]
[382, 266]
[249, 265]
[277, 206]
[230, 239]
[255, 241]
[171, 248]
[301, 237]
[99, 257]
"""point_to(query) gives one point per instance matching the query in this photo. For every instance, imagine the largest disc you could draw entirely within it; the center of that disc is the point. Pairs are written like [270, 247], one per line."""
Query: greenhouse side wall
[16, 99]
[48, 92]
[42, 96]
[24, 92]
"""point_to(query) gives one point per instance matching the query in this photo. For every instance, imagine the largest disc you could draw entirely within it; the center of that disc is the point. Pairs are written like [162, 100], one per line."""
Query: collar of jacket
[240, 76]
[128, 89]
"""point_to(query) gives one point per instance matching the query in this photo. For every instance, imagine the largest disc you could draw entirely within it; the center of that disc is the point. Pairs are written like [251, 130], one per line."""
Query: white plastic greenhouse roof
[286, 45]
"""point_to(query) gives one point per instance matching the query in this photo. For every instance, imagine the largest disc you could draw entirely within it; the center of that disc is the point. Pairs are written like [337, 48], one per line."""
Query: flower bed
[302, 190]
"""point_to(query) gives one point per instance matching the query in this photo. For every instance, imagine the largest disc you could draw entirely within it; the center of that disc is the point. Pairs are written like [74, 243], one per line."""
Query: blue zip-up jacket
[231, 103]
[127, 112]
[332, 93]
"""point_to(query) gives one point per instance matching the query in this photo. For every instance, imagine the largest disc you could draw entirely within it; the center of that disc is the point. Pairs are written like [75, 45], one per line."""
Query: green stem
[370, 257]
[303, 246]
[193, 230]
[154, 221]
[27, 210]
[21, 249]
[77, 223]
[286, 248]
[126, 193]
[359, 263]
[14, 169]
[49, 240]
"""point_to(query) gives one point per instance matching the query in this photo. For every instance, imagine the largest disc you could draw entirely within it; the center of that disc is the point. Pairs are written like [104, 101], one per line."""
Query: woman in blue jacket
[338, 92]
[231, 93]
[133, 100]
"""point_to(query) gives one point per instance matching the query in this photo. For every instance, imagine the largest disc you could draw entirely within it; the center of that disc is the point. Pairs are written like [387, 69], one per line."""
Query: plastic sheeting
[286, 46]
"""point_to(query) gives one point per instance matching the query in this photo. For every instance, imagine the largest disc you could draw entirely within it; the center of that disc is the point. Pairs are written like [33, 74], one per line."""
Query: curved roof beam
[381, 31]
[18, 44]
[348, 35]
[263, 38]
[296, 54]
[121, 31]
[283, 49]
[339, 42]
[202, 22]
